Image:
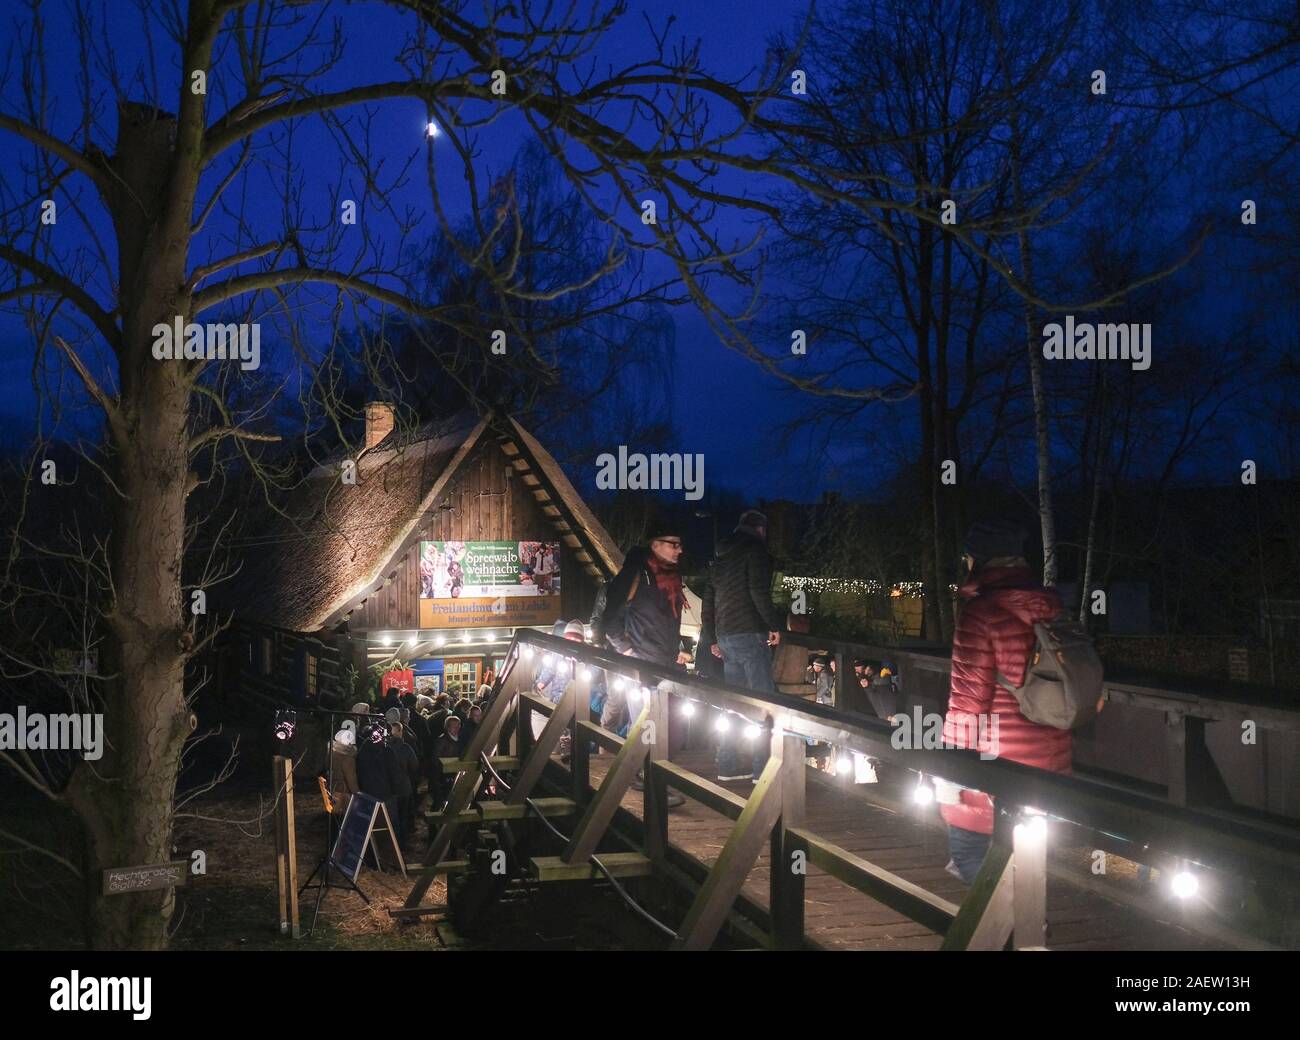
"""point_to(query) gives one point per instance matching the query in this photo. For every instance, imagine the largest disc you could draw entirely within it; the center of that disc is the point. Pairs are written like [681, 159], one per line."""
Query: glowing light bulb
[431, 130]
[753, 730]
[440, 641]
[688, 710]
[1032, 829]
[924, 794]
[843, 764]
[585, 673]
[1185, 884]
[723, 724]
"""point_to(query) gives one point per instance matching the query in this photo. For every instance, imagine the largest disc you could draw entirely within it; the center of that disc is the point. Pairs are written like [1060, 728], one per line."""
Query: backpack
[603, 611]
[1063, 680]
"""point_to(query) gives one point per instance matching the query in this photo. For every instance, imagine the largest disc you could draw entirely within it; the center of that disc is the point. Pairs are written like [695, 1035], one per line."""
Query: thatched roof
[309, 569]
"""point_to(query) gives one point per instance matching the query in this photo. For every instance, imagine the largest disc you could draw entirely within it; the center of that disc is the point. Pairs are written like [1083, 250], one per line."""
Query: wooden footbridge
[802, 859]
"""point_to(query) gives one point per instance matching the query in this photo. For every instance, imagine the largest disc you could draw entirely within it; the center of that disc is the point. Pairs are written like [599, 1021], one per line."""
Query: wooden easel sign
[356, 832]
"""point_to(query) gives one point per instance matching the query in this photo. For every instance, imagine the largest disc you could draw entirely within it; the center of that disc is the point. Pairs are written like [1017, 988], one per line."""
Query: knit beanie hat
[993, 538]
[751, 520]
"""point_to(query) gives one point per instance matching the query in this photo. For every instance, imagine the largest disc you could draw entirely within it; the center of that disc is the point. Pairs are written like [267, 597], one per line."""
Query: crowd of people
[389, 753]
[639, 614]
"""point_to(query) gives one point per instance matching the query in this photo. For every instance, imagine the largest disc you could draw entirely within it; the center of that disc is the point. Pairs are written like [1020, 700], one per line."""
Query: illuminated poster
[479, 584]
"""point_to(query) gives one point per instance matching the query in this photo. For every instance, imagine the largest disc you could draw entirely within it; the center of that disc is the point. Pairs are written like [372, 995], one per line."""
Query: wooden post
[789, 856]
[600, 810]
[655, 812]
[281, 845]
[1193, 778]
[1029, 897]
[580, 755]
[986, 917]
[714, 900]
[843, 702]
[524, 727]
[531, 768]
[286, 845]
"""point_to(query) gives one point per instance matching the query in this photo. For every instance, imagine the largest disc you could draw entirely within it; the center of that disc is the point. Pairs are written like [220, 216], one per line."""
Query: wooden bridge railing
[1007, 901]
[1192, 777]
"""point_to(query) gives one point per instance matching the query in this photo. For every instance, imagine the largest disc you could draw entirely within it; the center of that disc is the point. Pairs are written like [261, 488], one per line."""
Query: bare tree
[163, 219]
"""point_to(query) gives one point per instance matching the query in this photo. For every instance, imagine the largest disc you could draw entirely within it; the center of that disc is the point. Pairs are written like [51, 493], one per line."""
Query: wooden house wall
[488, 502]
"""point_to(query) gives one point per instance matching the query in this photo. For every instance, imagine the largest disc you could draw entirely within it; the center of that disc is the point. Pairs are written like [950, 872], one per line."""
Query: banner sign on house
[479, 584]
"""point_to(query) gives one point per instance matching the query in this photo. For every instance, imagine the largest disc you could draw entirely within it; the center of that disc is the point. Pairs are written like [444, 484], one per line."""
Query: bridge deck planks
[839, 917]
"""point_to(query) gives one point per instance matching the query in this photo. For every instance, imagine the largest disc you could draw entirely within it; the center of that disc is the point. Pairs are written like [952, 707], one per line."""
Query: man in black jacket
[380, 772]
[746, 624]
[642, 617]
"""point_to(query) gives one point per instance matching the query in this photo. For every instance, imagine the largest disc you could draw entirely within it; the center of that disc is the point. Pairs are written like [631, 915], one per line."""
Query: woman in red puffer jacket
[1002, 602]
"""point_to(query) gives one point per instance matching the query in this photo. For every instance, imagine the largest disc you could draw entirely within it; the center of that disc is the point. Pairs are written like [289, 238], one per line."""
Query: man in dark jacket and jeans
[738, 609]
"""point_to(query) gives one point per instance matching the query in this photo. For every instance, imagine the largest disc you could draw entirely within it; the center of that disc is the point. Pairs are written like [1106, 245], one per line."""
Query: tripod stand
[325, 865]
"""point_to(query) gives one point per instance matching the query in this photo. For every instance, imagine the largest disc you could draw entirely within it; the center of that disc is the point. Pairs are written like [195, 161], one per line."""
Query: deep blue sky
[721, 400]
[723, 406]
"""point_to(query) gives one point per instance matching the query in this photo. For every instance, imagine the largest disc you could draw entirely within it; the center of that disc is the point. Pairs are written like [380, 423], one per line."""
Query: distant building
[450, 540]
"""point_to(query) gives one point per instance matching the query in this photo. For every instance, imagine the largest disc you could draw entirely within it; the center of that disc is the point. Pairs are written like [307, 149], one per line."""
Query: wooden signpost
[286, 845]
[120, 880]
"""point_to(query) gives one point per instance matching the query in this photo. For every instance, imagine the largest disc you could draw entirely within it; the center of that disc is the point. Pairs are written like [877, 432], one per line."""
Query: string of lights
[1032, 827]
[859, 586]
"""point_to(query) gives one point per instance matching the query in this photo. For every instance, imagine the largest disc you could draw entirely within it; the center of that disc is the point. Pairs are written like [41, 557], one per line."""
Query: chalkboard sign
[358, 826]
[354, 834]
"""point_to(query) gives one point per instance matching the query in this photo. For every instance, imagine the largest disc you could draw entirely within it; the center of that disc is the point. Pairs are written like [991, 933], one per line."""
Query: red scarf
[669, 583]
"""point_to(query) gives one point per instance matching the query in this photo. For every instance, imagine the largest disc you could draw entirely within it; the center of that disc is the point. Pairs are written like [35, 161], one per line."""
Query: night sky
[724, 406]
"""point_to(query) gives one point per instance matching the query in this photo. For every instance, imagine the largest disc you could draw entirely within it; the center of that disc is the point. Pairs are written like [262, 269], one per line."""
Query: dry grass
[235, 906]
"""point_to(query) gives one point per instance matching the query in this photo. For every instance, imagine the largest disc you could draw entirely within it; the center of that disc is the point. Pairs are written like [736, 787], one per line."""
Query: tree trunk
[1042, 432]
[1099, 468]
[126, 801]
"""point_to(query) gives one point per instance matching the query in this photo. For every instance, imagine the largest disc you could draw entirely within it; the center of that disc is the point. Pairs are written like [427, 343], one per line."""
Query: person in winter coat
[379, 770]
[994, 635]
[449, 746]
[882, 692]
[408, 781]
[642, 618]
[746, 624]
[343, 769]
[547, 681]
[822, 680]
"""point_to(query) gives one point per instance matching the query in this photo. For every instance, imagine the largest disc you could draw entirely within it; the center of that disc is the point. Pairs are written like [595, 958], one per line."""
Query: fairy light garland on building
[860, 586]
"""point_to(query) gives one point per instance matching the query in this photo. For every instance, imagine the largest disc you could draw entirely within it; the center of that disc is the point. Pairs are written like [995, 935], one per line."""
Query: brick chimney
[379, 422]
